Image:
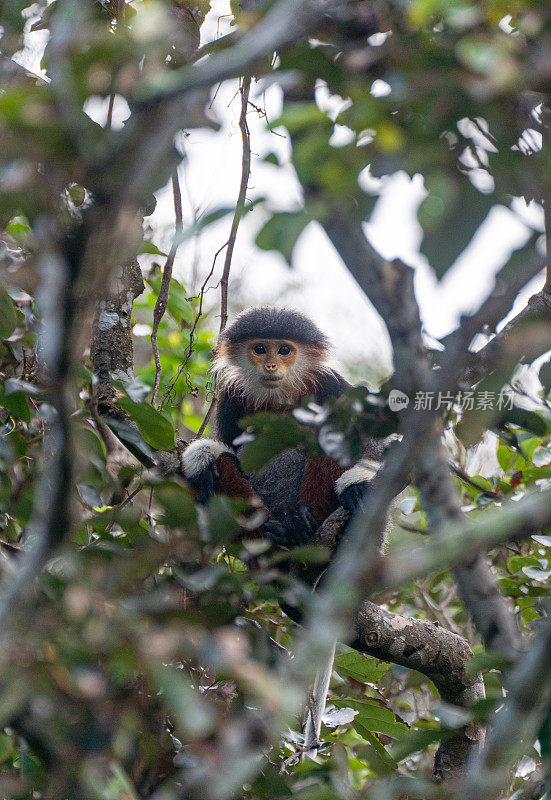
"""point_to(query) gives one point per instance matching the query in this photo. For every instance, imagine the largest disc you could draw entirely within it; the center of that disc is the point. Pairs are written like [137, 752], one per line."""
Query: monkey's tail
[316, 707]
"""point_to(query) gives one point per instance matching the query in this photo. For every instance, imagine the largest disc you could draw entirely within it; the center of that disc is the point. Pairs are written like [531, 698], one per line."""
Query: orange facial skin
[272, 358]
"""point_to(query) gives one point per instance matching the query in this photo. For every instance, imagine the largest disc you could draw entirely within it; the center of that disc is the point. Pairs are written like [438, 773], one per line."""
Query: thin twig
[189, 349]
[162, 299]
[462, 475]
[240, 207]
[238, 214]
[207, 417]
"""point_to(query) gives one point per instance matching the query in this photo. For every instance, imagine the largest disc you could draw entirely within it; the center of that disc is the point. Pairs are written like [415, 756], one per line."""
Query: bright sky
[318, 283]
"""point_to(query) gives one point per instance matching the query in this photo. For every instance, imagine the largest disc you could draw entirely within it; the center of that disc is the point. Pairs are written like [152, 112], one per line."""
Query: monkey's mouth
[272, 378]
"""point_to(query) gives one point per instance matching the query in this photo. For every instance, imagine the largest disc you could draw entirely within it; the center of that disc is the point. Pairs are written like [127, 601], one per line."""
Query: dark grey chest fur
[280, 483]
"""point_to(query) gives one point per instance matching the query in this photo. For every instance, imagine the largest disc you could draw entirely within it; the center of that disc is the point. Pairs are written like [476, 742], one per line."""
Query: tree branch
[285, 23]
[517, 723]
[52, 504]
[537, 310]
[489, 610]
[441, 656]
[412, 373]
[454, 543]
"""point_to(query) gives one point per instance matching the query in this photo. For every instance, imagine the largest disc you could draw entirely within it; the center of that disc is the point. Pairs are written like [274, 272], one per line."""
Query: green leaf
[18, 227]
[483, 661]
[374, 717]
[528, 446]
[178, 505]
[179, 306]
[155, 428]
[127, 518]
[271, 158]
[360, 667]
[77, 194]
[297, 116]
[505, 457]
[306, 554]
[16, 403]
[7, 749]
[273, 434]
[376, 755]
[119, 787]
[282, 231]
[8, 316]
[483, 483]
[223, 515]
[516, 563]
[417, 740]
[131, 438]
[450, 217]
[531, 421]
[150, 248]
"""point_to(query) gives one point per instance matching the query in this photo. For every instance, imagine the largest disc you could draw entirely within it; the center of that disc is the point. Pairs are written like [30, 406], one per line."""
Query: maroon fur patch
[318, 486]
[233, 483]
[231, 480]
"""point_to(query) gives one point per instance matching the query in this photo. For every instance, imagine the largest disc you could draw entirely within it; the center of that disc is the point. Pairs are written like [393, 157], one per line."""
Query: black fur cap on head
[267, 322]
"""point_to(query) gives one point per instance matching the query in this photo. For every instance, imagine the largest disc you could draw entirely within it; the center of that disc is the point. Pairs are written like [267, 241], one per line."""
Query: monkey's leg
[318, 487]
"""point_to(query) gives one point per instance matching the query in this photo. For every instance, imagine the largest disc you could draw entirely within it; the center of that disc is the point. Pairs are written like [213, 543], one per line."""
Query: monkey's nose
[271, 367]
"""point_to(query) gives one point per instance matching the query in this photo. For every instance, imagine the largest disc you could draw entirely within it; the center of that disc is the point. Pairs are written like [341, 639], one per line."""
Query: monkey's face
[272, 359]
[269, 373]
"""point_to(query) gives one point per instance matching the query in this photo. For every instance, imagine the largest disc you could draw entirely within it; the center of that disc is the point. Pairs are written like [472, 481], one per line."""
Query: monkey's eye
[259, 349]
[284, 350]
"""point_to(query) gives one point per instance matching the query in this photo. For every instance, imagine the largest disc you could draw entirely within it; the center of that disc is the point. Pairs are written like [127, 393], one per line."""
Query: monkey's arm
[326, 485]
[353, 485]
[211, 467]
[350, 485]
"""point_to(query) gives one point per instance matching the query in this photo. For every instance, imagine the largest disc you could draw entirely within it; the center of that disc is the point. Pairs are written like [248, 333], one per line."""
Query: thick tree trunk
[111, 348]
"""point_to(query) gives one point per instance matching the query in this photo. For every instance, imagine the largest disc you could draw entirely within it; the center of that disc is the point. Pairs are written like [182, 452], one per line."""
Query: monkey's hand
[199, 466]
[290, 529]
[354, 496]
[353, 485]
